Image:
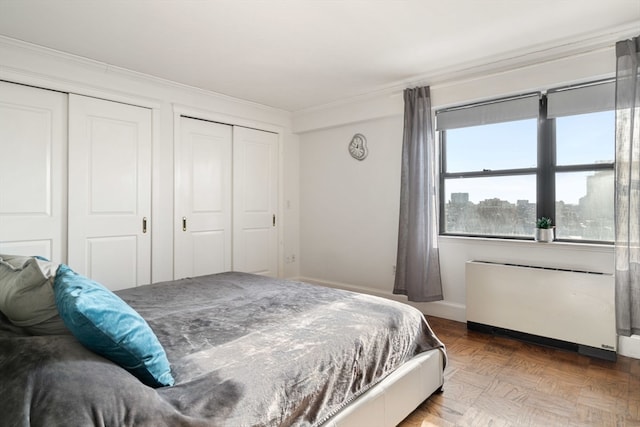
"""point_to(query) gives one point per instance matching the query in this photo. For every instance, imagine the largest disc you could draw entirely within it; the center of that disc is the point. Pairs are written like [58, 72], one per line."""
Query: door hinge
[274, 220]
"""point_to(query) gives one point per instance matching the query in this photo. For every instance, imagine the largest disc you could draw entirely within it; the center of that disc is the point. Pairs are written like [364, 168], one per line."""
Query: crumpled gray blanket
[245, 350]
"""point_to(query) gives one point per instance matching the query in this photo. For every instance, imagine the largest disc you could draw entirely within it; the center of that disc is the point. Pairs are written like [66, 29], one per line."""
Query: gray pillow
[26, 294]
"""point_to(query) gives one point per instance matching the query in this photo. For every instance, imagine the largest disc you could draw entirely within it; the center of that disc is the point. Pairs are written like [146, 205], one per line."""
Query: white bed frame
[395, 397]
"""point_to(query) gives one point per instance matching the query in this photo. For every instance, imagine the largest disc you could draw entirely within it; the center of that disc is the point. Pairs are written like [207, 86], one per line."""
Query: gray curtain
[418, 264]
[627, 192]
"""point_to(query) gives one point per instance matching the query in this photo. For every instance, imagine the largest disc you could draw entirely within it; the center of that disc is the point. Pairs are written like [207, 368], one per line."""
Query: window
[506, 162]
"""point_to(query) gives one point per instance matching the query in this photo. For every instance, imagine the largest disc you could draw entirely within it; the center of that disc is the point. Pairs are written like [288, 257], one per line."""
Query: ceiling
[297, 54]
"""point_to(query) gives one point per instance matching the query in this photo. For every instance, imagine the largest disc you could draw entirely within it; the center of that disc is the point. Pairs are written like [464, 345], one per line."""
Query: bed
[234, 349]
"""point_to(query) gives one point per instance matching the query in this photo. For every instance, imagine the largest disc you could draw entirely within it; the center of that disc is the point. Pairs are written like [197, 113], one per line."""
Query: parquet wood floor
[498, 381]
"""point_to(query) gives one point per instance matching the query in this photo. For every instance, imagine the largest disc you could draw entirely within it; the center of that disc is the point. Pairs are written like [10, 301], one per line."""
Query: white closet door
[255, 199]
[33, 133]
[202, 198]
[110, 191]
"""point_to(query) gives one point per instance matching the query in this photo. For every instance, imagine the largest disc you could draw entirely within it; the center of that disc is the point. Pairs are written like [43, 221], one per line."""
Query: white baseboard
[444, 309]
[629, 346]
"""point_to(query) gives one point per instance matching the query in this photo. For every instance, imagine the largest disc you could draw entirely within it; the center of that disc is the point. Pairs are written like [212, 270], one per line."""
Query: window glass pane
[508, 145]
[585, 138]
[584, 205]
[495, 206]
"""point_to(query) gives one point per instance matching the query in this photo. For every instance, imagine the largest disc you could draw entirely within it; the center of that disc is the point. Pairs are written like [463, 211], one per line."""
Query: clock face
[358, 147]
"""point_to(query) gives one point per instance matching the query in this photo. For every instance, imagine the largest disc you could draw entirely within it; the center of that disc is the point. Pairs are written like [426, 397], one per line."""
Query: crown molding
[466, 71]
[106, 68]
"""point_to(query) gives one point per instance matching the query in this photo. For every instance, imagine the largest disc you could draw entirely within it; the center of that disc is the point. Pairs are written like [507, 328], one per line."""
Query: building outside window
[506, 162]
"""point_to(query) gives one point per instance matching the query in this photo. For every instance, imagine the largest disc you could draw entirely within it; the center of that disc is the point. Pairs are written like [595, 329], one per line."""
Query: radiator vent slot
[542, 268]
[560, 304]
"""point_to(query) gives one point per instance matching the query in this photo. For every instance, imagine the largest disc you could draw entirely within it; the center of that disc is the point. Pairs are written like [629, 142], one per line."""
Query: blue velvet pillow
[107, 325]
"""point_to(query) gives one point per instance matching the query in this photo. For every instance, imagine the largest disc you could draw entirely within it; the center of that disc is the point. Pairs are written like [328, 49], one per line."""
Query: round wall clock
[358, 147]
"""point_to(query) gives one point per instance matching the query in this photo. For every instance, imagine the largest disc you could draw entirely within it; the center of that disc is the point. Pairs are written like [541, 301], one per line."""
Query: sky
[581, 139]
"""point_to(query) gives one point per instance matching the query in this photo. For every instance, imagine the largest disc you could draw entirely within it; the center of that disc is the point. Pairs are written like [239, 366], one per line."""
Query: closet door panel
[210, 252]
[121, 251]
[203, 198]
[255, 191]
[113, 172]
[110, 191]
[33, 135]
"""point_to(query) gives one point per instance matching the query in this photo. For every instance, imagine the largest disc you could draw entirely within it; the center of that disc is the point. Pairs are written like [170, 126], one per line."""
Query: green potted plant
[544, 230]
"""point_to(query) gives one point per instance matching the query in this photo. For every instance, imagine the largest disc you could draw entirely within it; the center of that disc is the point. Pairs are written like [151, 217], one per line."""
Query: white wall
[291, 206]
[349, 209]
[41, 67]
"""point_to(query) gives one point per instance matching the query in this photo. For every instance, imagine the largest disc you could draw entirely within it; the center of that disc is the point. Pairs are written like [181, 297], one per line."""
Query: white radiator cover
[571, 306]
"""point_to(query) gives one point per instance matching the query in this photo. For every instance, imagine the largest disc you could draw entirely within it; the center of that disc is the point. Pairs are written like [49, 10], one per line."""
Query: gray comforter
[245, 350]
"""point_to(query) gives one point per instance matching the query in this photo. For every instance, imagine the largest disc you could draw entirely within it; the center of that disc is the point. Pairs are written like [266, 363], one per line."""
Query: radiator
[574, 307]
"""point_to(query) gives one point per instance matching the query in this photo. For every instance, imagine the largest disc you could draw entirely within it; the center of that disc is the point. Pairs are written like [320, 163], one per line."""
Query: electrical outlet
[290, 259]
[394, 269]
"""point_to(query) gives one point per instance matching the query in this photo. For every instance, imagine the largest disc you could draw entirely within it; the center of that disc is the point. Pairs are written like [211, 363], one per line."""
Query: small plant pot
[545, 235]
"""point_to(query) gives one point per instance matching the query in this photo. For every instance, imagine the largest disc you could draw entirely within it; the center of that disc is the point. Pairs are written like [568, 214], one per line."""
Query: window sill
[556, 244]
